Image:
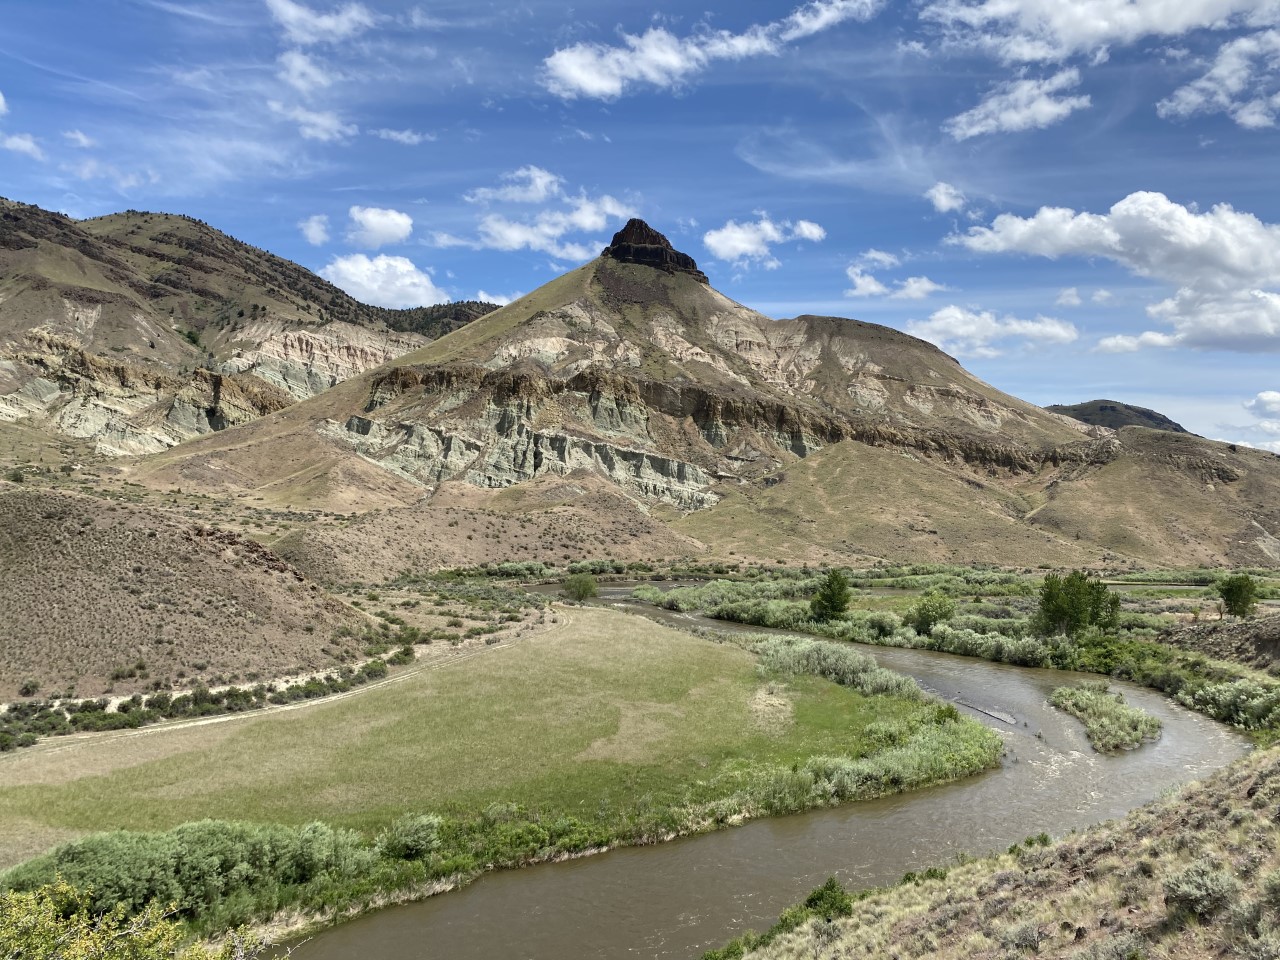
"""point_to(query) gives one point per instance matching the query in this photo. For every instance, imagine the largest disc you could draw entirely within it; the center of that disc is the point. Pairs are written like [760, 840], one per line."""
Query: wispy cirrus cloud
[658, 58]
[1023, 104]
[305, 26]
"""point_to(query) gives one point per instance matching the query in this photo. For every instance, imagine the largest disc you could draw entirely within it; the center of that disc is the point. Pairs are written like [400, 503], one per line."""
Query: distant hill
[172, 306]
[815, 438]
[96, 594]
[1114, 414]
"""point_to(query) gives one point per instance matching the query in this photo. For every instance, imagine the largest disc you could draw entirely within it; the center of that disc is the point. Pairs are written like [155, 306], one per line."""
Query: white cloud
[976, 333]
[660, 59]
[527, 185]
[1124, 343]
[746, 243]
[384, 281]
[301, 72]
[945, 198]
[1024, 31]
[1017, 105]
[78, 139]
[410, 138]
[302, 25]
[315, 229]
[1241, 83]
[877, 258]
[917, 288]
[1102, 296]
[498, 298]
[867, 285]
[1224, 265]
[323, 125]
[375, 227]
[864, 284]
[22, 143]
[1068, 297]
[4, 106]
[1265, 404]
[547, 230]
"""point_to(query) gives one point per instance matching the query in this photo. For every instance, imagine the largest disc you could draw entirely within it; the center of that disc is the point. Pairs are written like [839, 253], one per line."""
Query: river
[677, 899]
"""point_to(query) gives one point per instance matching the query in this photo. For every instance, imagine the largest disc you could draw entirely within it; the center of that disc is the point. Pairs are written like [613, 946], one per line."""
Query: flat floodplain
[601, 716]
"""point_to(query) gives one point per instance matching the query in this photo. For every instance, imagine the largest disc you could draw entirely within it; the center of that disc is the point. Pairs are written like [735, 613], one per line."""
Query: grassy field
[600, 715]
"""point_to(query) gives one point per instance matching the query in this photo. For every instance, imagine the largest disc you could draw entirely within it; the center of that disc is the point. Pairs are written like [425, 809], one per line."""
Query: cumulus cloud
[877, 258]
[384, 281]
[546, 231]
[301, 72]
[375, 227]
[1026, 31]
[22, 143]
[974, 333]
[917, 288]
[1224, 264]
[4, 106]
[1102, 296]
[315, 229]
[1265, 405]
[77, 139]
[660, 59]
[750, 243]
[1016, 105]
[867, 285]
[501, 300]
[527, 185]
[410, 138]
[864, 284]
[1241, 83]
[945, 198]
[323, 125]
[304, 26]
[1068, 297]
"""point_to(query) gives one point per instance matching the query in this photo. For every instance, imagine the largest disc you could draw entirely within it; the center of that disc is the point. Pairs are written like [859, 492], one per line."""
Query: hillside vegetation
[97, 596]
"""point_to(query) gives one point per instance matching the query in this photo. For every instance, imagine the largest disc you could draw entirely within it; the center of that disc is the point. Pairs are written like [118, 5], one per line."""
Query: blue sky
[1077, 198]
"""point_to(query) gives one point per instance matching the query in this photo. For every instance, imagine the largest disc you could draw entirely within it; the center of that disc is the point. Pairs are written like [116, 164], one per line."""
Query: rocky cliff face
[638, 242]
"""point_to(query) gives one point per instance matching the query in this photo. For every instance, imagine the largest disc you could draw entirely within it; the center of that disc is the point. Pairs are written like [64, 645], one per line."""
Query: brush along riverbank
[606, 729]
[1194, 876]
[1227, 692]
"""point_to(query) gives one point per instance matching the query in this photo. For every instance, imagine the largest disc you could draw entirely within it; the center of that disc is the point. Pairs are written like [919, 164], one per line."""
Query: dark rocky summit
[638, 242]
[1115, 414]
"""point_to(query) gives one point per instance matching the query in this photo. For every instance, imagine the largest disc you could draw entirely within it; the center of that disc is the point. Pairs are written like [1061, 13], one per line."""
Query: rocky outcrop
[638, 242]
[128, 409]
[306, 360]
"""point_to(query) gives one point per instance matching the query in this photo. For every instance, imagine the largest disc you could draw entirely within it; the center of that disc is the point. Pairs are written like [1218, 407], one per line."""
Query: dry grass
[1119, 890]
[90, 588]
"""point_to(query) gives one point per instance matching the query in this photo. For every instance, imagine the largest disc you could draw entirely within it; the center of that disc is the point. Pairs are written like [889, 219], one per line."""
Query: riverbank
[605, 730]
[1193, 876]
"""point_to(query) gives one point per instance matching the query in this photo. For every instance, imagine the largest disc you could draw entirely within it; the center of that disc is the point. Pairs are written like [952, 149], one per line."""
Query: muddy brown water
[681, 898]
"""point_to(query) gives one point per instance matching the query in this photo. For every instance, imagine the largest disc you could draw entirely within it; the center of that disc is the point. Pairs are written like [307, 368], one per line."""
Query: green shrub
[580, 586]
[412, 837]
[1109, 722]
[931, 609]
[1201, 890]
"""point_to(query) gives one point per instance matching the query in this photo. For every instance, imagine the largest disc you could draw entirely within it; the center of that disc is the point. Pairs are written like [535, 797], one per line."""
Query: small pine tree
[1239, 593]
[832, 598]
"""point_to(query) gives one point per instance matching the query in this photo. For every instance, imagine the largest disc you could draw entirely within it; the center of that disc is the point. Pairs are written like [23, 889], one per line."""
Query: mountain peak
[638, 242]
